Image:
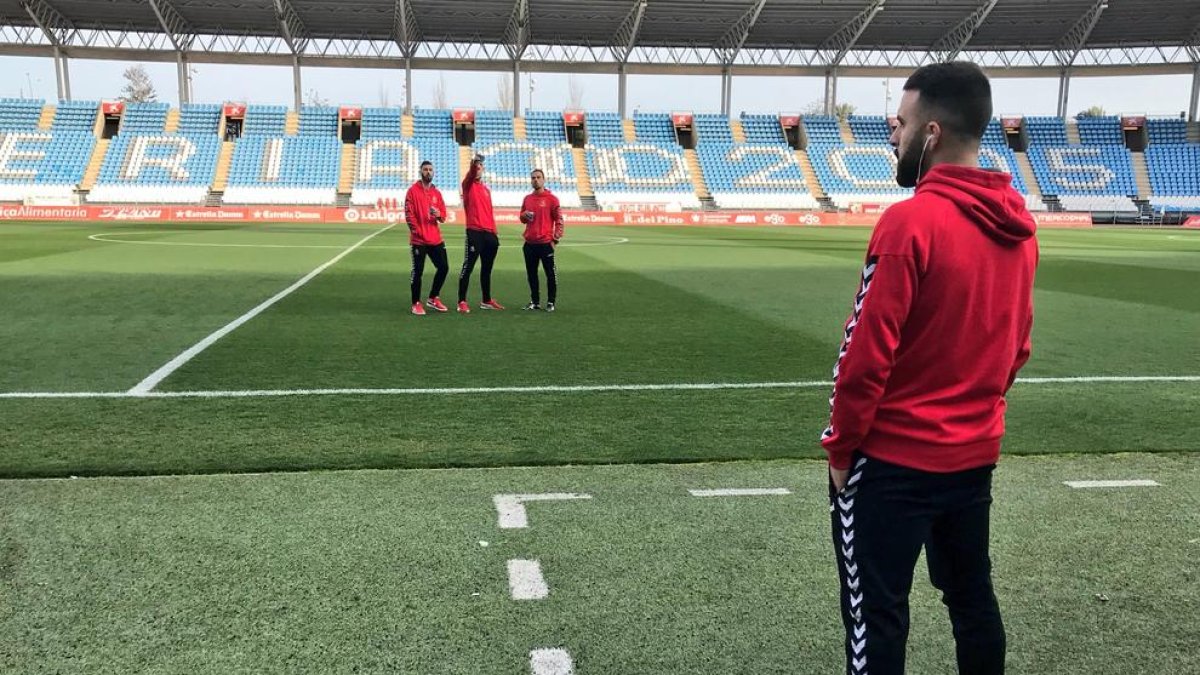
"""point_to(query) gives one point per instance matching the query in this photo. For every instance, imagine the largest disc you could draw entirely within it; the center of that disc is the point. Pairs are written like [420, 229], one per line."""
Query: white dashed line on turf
[525, 580]
[551, 662]
[1090, 484]
[740, 492]
[510, 509]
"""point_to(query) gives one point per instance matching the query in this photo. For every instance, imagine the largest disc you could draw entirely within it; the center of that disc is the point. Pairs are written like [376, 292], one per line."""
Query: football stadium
[228, 446]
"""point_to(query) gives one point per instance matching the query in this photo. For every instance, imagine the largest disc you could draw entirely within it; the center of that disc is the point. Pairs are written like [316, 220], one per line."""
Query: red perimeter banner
[1193, 222]
[375, 214]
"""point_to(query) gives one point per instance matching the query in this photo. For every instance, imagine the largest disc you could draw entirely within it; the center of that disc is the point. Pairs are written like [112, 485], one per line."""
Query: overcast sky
[1156, 95]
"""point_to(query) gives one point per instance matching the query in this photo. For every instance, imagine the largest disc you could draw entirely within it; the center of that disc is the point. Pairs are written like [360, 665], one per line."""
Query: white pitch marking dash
[1085, 484]
[510, 509]
[551, 662]
[525, 580]
[740, 492]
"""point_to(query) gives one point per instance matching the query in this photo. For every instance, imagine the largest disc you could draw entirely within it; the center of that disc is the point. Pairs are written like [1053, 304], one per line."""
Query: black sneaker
[549, 306]
[532, 305]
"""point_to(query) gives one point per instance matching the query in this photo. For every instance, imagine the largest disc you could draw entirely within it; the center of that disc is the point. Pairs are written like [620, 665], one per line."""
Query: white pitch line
[525, 580]
[740, 492]
[104, 237]
[547, 389]
[551, 662]
[1086, 484]
[147, 385]
[510, 509]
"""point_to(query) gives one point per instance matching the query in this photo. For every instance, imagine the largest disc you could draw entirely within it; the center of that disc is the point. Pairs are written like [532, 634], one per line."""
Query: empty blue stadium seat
[382, 123]
[821, 129]
[1046, 131]
[46, 157]
[494, 126]
[712, 129]
[433, 124]
[762, 129]
[319, 121]
[388, 166]
[1174, 169]
[605, 129]
[265, 120]
[870, 130]
[78, 115]
[545, 128]
[1099, 130]
[654, 128]
[20, 114]
[144, 118]
[1083, 170]
[197, 119]
[1166, 130]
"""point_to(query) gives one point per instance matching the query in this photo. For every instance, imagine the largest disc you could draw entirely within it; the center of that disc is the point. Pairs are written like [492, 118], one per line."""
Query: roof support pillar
[622, 93]
[726, 91]
[830, 91]
[516, 111]
[1064, 91]
[185, 80]
[1193, 110]
[408, 109]
[296, 88]
[62, 74]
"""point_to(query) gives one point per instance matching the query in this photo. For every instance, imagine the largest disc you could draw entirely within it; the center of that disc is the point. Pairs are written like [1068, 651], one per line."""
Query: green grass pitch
[212, 534]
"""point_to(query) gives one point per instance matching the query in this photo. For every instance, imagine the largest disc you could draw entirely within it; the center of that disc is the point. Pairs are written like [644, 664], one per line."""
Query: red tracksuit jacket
[547, 225]
[940, 327]
[423, 228]
[477, 201]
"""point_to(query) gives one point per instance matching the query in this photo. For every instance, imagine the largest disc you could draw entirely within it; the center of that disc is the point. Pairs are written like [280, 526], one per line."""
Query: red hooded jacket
[477, 200]
[547, 223]
[424, 229]
[940, 326]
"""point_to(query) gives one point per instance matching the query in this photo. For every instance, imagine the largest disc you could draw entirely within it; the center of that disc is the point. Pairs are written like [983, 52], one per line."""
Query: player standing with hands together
[425, 211]
[543, 229]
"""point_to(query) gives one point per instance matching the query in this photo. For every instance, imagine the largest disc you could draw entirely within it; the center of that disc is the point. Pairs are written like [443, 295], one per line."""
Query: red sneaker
[464, 308]
[418, 309]
[436, 303]
[490, 304]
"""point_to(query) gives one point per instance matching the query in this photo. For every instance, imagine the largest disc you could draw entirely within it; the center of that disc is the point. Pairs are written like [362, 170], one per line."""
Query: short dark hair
[538, 171]
[957, 95]
[425, 164]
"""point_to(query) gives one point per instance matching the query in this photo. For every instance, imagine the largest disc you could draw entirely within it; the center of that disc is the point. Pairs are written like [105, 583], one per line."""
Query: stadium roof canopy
[640, 36]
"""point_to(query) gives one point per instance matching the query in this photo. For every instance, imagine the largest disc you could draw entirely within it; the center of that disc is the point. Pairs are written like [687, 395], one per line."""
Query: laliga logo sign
[386, 211]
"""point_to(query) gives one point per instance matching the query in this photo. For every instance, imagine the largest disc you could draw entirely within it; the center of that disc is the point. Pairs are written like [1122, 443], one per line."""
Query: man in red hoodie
[425, 211]
[939, 329]
[543, 228]
[481, 237]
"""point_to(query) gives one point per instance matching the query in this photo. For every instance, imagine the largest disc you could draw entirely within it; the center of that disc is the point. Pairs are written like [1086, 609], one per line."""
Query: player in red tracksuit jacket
[940, 327]
[425, 211]
[543, 228]
[482, 241]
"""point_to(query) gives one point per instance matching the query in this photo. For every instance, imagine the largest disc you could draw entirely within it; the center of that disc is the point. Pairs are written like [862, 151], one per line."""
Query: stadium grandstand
[245, 153]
